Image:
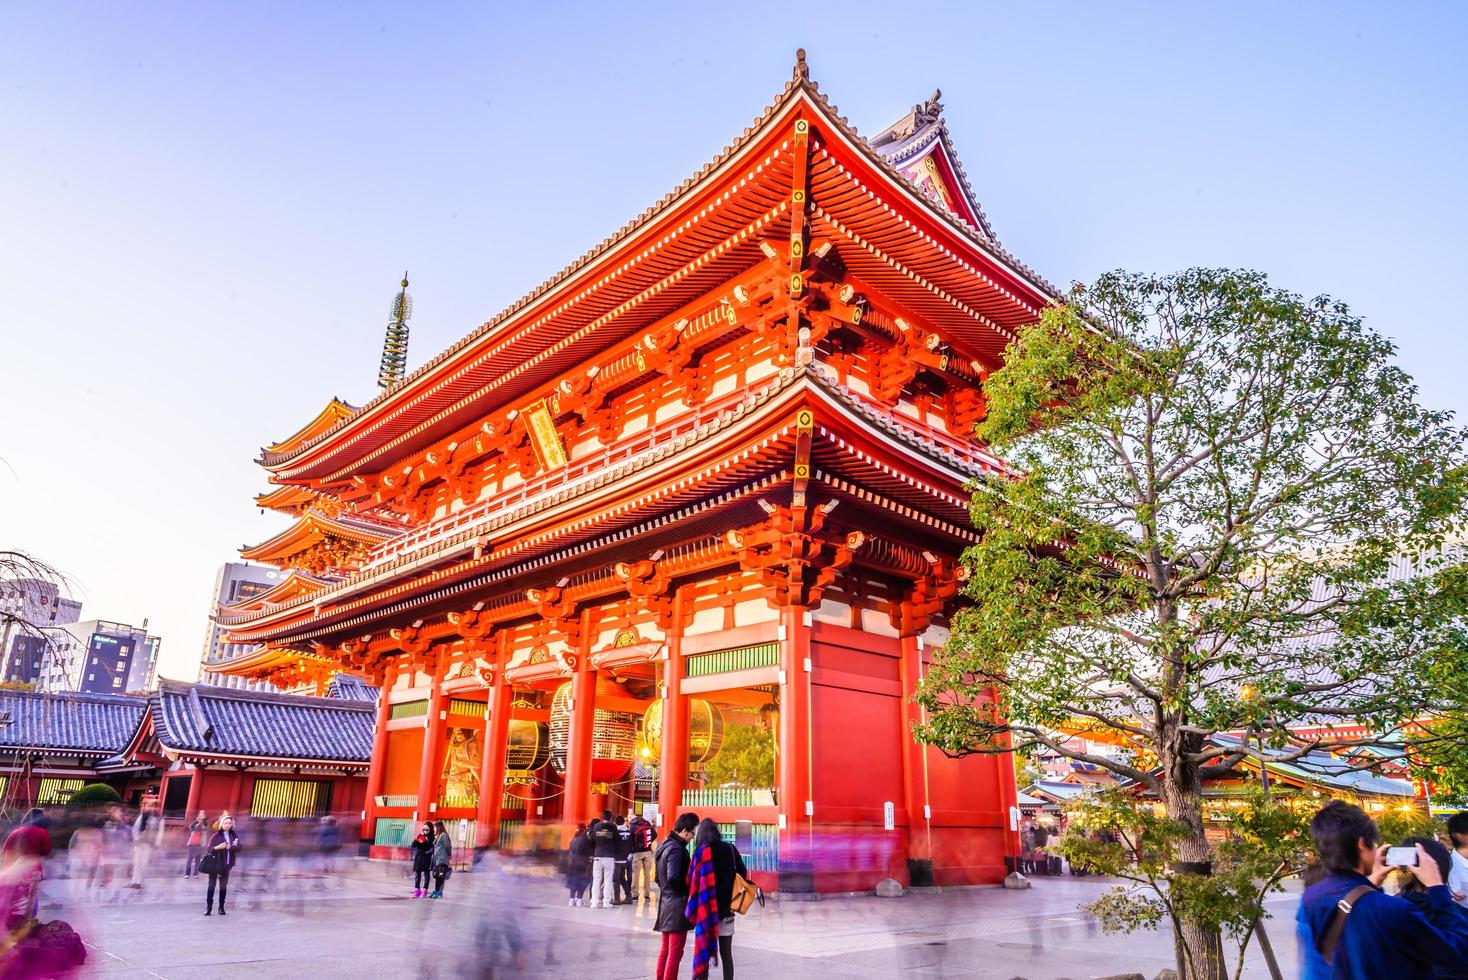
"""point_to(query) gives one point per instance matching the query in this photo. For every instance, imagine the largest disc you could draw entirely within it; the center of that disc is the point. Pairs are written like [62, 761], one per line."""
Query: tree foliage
[93, 794]
[1228, 514]
[746, 758]
[1109, 834]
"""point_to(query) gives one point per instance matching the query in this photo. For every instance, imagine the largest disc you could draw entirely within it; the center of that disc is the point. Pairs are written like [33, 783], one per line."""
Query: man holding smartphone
[1363, 932]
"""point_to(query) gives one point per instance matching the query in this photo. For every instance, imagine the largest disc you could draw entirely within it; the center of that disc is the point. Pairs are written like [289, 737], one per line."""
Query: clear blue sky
[205, 207]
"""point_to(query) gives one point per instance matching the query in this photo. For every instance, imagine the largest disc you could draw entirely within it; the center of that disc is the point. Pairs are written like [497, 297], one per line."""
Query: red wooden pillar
[497, 736]
[796, 799]
[196, 786]
[430, 771]
[237, 793]
[578, 749]
[914, 757]
[673, 764]
[377, 769]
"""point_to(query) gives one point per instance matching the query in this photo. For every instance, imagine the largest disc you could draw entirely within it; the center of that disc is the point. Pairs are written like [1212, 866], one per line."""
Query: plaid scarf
[703, 911]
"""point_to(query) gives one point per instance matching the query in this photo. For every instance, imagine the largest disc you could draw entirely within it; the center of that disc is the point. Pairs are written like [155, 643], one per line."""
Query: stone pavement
[513, 922]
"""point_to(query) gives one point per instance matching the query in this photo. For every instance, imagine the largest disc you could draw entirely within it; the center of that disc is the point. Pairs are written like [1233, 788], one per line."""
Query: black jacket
[727, 863]
[578, 856]
[672, 877]
[422, 853]
[605, 841]
[227, 853]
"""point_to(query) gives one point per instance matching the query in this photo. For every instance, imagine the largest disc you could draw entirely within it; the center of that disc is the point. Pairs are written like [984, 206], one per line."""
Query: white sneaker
[570, 903]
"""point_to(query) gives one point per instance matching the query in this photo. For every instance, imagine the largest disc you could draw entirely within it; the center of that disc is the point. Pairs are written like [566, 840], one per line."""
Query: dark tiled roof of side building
[350, 687]
[74, 724]
[197, 719]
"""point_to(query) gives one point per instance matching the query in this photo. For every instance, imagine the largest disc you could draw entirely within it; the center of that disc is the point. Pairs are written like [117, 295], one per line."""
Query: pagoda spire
[395, 345]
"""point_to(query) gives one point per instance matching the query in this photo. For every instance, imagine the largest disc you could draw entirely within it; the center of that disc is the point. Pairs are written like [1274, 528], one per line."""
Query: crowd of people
[698, 879]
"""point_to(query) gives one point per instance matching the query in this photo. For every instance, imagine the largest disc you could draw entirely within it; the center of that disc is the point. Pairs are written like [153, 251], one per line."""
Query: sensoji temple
[680, 528]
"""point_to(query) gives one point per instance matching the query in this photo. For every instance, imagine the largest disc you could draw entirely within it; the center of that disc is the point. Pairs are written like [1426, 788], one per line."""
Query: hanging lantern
[613, 736]
[705, 730]
[527, 746]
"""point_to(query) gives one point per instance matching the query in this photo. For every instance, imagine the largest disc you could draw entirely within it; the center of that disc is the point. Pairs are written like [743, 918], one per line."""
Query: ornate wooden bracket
[558, 611]
[930, 596]
[795, 565]
[650, 587]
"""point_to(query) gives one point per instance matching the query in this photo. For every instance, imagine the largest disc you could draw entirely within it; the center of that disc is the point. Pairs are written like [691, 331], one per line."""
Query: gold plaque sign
[544, 437]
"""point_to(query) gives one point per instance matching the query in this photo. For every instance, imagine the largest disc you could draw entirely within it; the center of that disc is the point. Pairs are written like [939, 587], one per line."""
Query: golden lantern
[705, 730]
[527, 746]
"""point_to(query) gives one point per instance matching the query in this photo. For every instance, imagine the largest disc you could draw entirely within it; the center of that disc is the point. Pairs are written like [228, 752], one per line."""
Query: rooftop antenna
[395, 345]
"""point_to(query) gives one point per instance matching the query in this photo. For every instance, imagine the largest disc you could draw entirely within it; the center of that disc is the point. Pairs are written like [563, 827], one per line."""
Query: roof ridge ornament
[802, 70]
[930, 111]
[394, 364]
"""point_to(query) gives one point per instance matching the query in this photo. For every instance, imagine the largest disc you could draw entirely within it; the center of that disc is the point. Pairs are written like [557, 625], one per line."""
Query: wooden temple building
[680, 528]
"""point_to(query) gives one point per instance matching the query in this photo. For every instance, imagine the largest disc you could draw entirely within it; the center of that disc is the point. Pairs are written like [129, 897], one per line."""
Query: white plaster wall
[759, 370]
[876, 622]
[752, 611]
[705, 621]
[723, 386]
[675, 407]
[835, 613]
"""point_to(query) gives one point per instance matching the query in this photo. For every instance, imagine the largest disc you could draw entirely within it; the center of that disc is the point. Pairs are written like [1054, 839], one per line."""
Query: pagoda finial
[802, 70]
[395, 345]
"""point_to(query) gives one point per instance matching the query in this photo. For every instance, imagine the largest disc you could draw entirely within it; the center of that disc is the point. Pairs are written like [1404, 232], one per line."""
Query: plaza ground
[362, 924]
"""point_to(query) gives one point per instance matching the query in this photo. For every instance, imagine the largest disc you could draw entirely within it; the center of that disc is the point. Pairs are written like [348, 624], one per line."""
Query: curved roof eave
[799, 89]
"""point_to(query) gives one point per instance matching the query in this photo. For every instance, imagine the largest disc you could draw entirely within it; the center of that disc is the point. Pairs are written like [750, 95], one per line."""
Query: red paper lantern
[613, 738]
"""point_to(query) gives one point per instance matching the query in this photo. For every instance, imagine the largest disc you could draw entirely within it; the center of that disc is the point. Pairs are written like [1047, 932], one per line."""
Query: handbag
[744, 895]
[211, 863]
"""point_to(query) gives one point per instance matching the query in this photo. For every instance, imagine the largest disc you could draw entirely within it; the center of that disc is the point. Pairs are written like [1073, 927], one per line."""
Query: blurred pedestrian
[422, 848]
[22, 853]
[194, 844]
[328, 843]
[147, 835]
[116, 852]
[443, 852]
[578, 866]
[671, 862]
[224, 844]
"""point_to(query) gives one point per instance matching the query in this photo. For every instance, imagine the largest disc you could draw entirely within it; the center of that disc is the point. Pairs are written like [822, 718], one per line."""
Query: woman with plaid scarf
[710, 893]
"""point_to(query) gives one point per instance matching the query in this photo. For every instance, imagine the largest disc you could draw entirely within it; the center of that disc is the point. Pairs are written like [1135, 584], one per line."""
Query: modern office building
[31, 609]
[236, 582]
[98, 656]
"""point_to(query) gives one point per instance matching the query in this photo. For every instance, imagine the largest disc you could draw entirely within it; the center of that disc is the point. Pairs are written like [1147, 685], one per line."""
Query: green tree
[746, 758]
[1109, 834]
[1214, 481]
[94, 794]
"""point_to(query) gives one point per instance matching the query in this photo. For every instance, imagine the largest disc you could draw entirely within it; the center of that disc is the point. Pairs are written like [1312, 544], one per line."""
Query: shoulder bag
[1327, 942]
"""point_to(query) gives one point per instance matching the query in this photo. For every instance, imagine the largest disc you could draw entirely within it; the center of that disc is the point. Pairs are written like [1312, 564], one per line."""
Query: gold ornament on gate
[705, 730]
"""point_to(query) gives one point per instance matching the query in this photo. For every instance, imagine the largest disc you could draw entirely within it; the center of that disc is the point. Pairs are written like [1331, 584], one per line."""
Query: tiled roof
[1324, 769]
[799, 85]
[350, 687]
[101, 724]
[198, 719]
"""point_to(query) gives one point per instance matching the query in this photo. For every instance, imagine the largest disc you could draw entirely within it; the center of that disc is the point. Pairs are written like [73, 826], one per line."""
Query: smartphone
[1401, 857]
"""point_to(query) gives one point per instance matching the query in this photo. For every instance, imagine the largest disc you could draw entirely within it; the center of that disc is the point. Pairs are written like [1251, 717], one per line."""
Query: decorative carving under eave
[930, 598]
[795, 565]
[558, 610]
[650, 587]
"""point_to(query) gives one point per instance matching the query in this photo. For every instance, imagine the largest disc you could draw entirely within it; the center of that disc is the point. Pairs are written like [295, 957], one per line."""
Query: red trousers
[670, 955]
